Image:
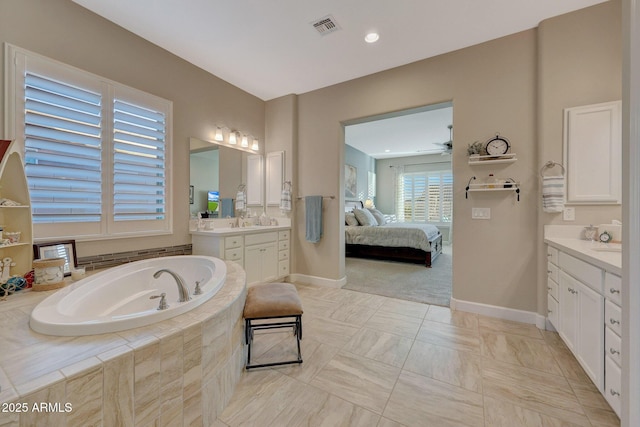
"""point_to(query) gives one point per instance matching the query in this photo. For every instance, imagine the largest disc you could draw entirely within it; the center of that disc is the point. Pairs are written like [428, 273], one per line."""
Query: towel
[553, 193]
[313, 218]
[240, 201]
[226, 208]
[285, 201]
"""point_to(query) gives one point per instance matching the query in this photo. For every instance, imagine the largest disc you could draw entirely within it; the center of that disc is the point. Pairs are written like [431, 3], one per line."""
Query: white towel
[240, 201]
[285, 201]
[553, 193]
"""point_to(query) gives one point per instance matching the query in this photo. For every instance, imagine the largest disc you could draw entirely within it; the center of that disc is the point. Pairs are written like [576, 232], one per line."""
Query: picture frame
[64, 249]
[191, 191]
[350, 181]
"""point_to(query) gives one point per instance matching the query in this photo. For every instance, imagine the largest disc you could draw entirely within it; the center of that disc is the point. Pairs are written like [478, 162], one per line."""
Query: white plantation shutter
[138, 163]
[97, 153]
[62, 151]
[425, 197]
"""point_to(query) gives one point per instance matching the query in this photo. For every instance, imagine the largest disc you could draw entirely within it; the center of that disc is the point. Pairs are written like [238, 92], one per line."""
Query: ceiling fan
[447, 147]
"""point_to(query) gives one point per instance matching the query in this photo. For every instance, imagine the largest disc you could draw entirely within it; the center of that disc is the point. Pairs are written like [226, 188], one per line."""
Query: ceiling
[270, 48]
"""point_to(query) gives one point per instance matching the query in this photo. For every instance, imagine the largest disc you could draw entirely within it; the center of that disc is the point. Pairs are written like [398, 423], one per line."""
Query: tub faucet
[182, 287]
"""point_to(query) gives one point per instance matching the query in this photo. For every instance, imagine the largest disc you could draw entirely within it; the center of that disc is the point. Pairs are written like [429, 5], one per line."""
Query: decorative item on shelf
[475, 150]
[13, 236]
[605, 237]
[491, 181]
[48, 274]
[497, 146]
[590, 233]
[8, 202]
[65, 250]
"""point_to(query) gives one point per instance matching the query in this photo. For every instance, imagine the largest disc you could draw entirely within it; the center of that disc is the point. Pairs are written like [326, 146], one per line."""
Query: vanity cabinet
[13, 186]
[612, 340]
[264, 254]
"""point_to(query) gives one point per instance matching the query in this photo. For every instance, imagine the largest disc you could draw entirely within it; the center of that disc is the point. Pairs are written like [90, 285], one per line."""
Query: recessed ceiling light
[371, 37]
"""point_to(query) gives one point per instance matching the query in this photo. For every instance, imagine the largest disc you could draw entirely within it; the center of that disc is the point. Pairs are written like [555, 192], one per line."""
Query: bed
[406, 242]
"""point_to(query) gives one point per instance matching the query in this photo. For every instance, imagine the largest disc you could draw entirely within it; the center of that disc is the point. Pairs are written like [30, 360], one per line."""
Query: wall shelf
[486, 187]
[493, 160]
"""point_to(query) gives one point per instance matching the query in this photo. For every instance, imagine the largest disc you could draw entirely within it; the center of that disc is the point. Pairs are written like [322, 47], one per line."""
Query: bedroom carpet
[412, 282]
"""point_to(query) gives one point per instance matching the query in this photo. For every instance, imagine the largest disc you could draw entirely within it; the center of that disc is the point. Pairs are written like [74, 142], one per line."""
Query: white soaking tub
[120, 298]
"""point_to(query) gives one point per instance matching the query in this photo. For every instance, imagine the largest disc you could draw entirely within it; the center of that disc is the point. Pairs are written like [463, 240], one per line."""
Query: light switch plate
[569, 214]
[480, 213]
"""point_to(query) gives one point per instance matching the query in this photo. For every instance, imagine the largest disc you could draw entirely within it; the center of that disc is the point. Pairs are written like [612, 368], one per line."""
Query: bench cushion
[272, 300]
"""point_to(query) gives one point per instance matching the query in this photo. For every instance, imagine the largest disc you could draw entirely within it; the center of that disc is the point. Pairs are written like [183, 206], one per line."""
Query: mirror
[214, 168]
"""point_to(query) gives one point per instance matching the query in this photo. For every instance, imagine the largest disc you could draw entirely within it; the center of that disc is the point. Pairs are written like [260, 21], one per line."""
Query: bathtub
[120, 298]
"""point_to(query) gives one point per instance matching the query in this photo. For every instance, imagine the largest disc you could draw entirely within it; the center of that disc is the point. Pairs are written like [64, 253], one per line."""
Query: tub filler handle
[182, 286]
[163, 301]
[198, 290]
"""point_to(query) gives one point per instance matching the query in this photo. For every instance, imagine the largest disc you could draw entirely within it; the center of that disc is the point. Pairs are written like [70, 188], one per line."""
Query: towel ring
[550, 164]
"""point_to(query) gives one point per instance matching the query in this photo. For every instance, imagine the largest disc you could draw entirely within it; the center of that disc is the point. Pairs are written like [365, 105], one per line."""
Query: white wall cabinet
[593, 153]
[255, 180]
[274, 177]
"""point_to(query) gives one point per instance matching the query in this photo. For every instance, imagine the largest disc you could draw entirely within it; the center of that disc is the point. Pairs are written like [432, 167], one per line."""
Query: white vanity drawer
[612, 384]
[283, 268]
[612, 346]
[613, 288]
[283, 235]
[282, 255]
[553, 289]
[283, 245]
[256, 239]
[588, 274]
[613, 317]
[233, 254]
[552, 311]
[232, 242]
[552, 272]
[552, 255]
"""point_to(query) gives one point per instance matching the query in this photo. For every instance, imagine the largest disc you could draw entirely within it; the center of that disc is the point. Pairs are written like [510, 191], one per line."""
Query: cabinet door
[269, 262]
[253, 263]
[590, 340]
[255, 181]
[568, 310]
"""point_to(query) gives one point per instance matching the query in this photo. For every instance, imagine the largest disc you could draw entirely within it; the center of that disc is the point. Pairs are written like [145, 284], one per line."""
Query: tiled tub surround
[181, 371]
[97, 262]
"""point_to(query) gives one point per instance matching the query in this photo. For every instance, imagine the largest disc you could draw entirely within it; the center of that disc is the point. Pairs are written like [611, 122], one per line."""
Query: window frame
[17, 62]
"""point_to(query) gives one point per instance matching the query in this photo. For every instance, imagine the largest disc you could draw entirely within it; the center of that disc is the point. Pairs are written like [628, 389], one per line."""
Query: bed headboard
[350, 205]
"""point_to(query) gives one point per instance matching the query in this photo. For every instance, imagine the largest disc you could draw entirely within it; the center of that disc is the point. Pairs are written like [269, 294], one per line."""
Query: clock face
[497, 146]
[605, 237]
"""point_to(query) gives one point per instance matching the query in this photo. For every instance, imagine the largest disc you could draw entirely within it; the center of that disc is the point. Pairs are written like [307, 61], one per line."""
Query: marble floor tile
[492, 324]
[359, 298]
[532, 389]
[381, 346]
[498, 413]
[569, 366]
[460, 319]
[353, 314]
[395, 323]
[459, 368]
[315, 355]
[358, 380]
[422, 401]
[519, 350]
[407, 308]
[449, 336]
[588, 395]
[386, 422]
[602, 417]
[316, 307]
[329, 331]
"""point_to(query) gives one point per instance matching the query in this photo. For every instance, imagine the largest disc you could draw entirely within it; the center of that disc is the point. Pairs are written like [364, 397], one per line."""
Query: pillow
[379, 216]
[364, 217]
[350, 219]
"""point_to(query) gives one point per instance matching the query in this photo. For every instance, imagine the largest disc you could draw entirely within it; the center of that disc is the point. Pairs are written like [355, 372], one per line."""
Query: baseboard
[317, 281]
[500, 312]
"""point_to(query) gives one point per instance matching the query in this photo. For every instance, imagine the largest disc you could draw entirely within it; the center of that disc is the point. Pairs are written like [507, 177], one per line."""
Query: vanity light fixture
[245, 141]
[219, 137]
[372, 37]
[255, 146]
[233, 138]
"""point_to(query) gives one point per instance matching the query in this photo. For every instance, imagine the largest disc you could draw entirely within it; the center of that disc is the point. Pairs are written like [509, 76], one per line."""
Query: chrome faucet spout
[182, 286]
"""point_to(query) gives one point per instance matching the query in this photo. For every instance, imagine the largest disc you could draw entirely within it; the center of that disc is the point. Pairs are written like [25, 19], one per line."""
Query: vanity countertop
[223, 231]
[607, 256]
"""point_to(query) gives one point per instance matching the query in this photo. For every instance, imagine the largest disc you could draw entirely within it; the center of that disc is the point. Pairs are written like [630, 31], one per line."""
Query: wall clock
[497, 146]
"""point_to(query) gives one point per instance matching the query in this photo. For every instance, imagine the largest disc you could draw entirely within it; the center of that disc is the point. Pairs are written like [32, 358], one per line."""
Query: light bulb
[232, 138]
[245, 141]
[255, 146]
[219, 136]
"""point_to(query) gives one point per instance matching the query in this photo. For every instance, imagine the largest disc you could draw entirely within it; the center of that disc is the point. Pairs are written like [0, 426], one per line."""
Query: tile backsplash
[114, 259]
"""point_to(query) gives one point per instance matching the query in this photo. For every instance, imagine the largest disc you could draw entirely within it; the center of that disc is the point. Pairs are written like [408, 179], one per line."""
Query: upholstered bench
[272, 301]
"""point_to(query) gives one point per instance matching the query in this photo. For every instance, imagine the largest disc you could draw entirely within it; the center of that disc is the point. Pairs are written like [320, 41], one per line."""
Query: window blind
[425, 197]
[62, 151]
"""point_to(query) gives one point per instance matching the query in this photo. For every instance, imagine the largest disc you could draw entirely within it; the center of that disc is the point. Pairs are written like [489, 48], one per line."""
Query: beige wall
[66, 32]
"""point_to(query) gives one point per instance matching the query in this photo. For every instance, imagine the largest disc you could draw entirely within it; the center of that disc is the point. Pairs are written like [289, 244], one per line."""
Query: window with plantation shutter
[425, 197]
[97, 153]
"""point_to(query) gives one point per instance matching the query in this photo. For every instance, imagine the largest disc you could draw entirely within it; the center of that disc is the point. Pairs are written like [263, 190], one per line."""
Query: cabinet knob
[548, 271]
[549, 287]
[548, 255]
[614, 321]
[549, 311]
[613, 351]
[614, 291]
[613, 392]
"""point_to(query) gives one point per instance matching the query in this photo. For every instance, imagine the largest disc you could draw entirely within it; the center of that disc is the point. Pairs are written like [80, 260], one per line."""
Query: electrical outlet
[480, 213]
[569, 214]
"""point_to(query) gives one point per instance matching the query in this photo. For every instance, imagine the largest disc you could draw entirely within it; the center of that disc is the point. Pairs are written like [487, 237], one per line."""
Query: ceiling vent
[326, 25]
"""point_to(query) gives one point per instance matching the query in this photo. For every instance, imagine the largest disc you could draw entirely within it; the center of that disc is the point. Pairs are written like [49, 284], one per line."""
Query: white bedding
[404, 235]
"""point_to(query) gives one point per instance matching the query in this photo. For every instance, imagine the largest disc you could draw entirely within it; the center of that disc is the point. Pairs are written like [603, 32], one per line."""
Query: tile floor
[376, 361]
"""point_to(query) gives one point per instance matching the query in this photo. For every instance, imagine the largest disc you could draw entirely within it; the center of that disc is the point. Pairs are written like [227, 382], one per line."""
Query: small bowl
[13, 236]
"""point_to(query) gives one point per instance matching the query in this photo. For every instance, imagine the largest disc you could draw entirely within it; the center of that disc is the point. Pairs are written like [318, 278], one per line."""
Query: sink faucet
[182, 287]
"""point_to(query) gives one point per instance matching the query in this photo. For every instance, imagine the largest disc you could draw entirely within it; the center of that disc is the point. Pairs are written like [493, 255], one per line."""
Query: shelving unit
[493, 160]
[486, 187]
[13, 186]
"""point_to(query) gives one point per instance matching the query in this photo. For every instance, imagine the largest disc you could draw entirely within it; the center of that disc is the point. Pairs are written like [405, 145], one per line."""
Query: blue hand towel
[226, 208]
[313, 218]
